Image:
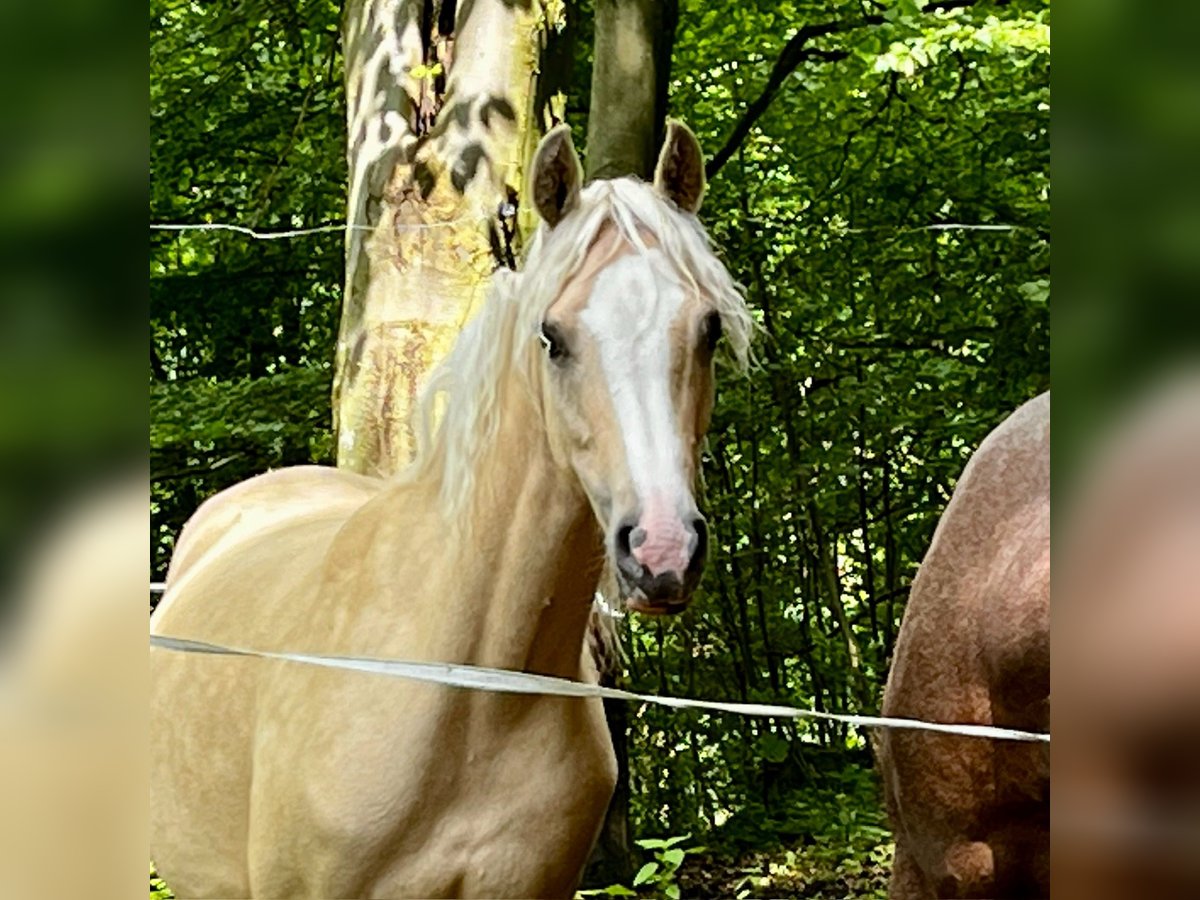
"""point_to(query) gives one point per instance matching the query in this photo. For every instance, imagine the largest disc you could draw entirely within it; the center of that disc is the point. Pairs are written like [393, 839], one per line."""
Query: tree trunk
[441, 121]
[612, 859]
[826, 548]
[630, 78]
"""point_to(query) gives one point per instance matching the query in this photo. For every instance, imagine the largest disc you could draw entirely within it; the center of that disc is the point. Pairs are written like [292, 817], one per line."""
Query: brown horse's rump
[972, 816]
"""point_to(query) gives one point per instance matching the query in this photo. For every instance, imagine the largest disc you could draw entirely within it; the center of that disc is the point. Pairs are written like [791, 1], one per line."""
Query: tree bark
[441, 121]
[630, 81]
[825, 547]
[612, 859]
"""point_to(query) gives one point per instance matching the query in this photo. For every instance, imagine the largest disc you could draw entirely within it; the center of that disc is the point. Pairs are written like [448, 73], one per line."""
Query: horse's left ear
[557, 175]
[679, 175]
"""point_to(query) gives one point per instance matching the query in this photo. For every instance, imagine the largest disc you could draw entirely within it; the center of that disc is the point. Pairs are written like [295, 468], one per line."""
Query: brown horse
[971, 816]
[571, 413]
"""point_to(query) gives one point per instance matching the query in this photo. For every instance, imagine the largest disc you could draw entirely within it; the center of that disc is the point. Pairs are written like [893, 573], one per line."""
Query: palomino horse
[571, 413]
[972, 817]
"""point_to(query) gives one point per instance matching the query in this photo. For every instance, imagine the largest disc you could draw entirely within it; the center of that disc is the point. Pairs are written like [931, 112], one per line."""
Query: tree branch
[794, 52]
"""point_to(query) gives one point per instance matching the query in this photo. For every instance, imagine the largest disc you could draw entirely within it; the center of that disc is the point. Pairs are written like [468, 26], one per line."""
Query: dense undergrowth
[825, 840]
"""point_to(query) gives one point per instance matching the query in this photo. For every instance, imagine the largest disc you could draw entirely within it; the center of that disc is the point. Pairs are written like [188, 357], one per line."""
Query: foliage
[889, 346]
[819, 871]
[158, 887]
[658, 877]
[829, 840]
[246, 113]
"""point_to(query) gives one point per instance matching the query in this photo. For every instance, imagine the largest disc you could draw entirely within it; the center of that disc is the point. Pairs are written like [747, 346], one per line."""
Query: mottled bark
[441, 120]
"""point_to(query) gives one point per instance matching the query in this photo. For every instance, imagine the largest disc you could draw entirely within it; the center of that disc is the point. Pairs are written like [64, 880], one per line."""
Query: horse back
[263, 503]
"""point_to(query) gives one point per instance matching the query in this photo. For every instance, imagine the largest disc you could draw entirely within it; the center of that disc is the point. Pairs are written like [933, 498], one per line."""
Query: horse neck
[532, 552]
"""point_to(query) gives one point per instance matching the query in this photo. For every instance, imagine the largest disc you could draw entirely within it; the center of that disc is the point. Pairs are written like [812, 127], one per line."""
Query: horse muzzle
[659, 567]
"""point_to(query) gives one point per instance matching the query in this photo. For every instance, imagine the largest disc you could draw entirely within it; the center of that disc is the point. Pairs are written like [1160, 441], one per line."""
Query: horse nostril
[628, 535]
[699, 543]
[623, 536]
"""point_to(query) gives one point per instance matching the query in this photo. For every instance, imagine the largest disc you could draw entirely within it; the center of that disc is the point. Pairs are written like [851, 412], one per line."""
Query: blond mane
[458, 412]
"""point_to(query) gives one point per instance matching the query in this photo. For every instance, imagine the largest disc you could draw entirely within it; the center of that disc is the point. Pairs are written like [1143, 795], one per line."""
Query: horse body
[255, 506]
[972, 817]
[523, 778]
[273, 779]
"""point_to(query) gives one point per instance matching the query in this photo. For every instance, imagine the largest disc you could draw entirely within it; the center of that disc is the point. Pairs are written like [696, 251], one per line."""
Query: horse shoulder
[246, 565]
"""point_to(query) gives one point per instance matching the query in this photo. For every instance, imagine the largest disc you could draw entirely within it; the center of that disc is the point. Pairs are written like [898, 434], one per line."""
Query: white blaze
[629, 313]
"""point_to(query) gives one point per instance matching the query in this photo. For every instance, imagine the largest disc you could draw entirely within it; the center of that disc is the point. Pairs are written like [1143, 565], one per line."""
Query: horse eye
[711, 333]
[552, 340]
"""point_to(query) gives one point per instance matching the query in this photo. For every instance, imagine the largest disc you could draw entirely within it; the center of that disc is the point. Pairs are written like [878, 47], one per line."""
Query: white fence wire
[424, 226]
[507, 681]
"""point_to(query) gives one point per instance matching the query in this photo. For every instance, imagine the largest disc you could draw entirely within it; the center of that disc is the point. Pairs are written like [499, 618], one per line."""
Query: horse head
[627, 345]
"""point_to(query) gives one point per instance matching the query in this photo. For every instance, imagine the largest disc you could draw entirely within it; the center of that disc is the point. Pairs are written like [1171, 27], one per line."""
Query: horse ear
[557, 175]
[679, 175]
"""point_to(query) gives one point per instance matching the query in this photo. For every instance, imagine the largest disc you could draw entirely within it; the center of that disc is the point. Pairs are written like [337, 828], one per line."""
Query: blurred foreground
[73, 704]
[1126, 674]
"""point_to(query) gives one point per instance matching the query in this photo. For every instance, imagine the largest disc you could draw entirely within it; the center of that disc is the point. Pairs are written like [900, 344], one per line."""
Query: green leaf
[652, 843]
[660, 843]
[673, 858]
[1036, 291]
[613, 890]
[645, 873]
[772, 747]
